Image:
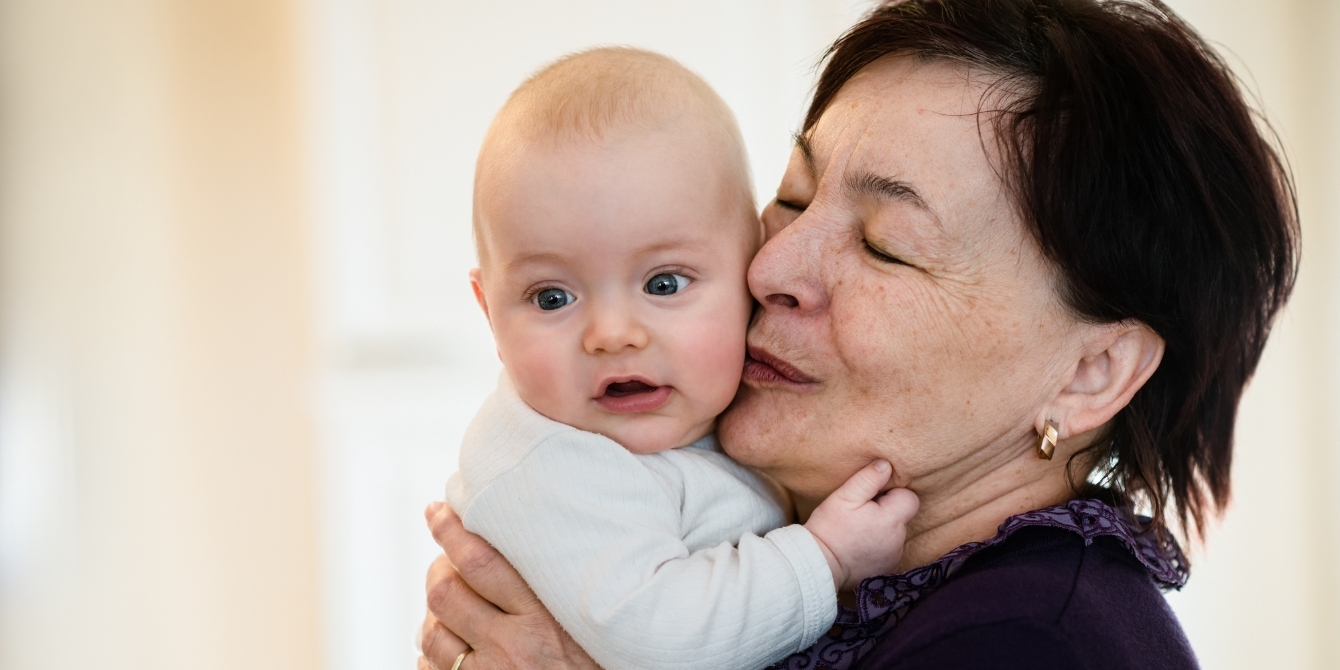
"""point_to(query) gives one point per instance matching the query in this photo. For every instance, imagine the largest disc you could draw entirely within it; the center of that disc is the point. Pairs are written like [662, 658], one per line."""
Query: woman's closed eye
[666, 283]
[882, 256]
[550, 299]
[780, 213]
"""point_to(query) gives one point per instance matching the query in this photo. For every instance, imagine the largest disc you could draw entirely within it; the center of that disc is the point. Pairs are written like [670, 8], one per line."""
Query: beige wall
[156, 497]
[1264, 590]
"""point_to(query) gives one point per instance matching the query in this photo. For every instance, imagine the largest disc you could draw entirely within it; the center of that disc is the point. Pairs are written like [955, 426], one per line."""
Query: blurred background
[238, 349]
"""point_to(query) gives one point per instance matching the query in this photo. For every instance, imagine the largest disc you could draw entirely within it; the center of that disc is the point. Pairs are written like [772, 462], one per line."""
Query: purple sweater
[1071, 586]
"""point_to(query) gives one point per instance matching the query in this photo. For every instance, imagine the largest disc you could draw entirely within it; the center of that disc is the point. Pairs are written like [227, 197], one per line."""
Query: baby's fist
[860, 534]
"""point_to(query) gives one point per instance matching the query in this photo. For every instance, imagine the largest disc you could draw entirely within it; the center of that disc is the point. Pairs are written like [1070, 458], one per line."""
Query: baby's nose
[612, 331]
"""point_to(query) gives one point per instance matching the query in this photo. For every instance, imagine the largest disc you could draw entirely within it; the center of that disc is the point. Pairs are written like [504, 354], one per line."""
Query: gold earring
[1047, 441]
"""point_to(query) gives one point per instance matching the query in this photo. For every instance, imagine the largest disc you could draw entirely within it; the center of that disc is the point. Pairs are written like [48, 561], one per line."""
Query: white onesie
[648, 561]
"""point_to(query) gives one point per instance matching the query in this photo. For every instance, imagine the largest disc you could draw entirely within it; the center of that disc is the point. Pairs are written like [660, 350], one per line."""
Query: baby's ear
[478, 286]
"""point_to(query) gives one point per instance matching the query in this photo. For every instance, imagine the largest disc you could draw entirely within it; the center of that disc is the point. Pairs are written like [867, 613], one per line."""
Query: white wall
[401, 96]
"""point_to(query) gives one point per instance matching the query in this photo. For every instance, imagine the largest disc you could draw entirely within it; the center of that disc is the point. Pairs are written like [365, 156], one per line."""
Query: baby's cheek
[715, 359]
[542, 378]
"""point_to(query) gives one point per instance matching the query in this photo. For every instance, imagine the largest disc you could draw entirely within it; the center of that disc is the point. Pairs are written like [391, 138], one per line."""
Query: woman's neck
[961, 509]
[946, 522]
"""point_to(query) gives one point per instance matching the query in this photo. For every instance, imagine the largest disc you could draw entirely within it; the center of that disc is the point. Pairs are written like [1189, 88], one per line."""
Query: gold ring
[461, 659]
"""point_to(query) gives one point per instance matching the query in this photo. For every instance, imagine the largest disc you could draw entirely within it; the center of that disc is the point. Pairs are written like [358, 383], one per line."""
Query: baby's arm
[860, 531]
[598, 538]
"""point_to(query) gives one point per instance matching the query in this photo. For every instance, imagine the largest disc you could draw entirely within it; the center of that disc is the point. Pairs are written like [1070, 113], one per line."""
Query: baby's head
[615, 223]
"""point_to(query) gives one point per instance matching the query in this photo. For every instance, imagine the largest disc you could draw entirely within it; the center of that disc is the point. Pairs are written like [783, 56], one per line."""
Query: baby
[615, 224]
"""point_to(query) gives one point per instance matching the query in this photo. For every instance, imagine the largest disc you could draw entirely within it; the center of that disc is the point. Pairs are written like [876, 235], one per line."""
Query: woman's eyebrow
[806, 151]
[883, 188]
[870, 184]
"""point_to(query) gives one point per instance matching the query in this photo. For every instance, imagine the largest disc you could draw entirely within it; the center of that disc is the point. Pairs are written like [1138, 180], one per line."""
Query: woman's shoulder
[1045, 597]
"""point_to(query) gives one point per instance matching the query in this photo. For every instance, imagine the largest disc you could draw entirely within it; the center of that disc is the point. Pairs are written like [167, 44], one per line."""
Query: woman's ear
[1115, 364]
[477, 285]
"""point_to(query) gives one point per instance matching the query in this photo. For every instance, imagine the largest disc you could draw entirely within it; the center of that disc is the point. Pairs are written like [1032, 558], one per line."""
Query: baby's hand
[861, 535]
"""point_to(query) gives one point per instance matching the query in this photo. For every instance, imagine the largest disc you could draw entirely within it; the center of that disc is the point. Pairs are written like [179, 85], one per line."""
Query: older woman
[1028, 251]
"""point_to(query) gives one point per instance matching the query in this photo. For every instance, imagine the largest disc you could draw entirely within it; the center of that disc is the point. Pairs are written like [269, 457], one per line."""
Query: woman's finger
[484, 569]
[457, 607]
[439, 646]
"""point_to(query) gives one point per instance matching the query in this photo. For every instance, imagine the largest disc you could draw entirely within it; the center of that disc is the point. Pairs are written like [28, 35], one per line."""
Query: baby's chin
[653, 434]
[668, 427]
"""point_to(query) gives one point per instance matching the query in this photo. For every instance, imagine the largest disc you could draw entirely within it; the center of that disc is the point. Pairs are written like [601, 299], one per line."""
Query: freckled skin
[940, 364]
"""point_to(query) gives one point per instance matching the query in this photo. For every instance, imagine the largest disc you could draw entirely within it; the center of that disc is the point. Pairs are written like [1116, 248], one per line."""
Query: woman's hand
[476, 600]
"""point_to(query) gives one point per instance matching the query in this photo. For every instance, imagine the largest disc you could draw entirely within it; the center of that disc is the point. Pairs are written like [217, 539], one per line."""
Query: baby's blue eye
[666, 284]
[553, 298]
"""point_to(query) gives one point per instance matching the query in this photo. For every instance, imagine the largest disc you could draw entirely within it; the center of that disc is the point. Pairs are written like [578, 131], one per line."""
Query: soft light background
[237, 347]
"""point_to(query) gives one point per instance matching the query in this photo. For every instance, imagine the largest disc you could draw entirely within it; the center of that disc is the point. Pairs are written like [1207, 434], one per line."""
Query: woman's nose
[613, 329]
[786, 273]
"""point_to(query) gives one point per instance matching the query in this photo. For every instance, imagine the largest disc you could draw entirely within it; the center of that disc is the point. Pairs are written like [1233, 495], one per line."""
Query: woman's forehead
[914, 122]
[911, 102]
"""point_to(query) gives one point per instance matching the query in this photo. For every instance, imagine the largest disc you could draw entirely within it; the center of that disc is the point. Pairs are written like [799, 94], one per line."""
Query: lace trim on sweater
[881, 602]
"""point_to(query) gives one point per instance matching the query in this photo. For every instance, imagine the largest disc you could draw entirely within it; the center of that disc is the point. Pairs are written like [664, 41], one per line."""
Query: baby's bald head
[603, 96]
[615, 225]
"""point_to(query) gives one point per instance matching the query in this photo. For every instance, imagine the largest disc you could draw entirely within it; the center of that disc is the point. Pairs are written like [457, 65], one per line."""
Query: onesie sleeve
[597, 534]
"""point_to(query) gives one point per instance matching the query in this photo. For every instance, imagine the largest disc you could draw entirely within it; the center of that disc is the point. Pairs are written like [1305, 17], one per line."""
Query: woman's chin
[754, 432]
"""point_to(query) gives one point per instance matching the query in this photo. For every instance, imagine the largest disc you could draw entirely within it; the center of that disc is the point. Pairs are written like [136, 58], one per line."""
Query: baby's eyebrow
[672, 245]
[534, 257]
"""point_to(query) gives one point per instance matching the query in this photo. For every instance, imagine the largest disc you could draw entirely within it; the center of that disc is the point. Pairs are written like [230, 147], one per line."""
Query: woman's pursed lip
[763, 366]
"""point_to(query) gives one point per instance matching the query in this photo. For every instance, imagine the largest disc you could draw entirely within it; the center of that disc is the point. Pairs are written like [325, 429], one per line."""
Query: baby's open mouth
[621, 389]
[633, 396]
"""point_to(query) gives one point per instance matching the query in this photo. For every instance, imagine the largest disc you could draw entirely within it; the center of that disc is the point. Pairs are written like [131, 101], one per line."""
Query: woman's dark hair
[1145, 179]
